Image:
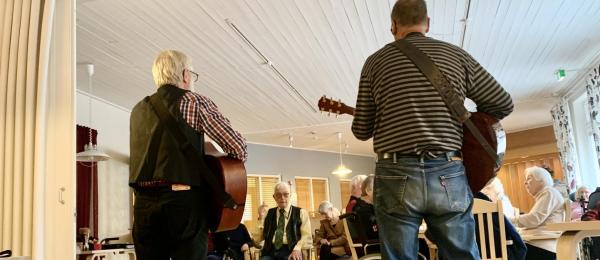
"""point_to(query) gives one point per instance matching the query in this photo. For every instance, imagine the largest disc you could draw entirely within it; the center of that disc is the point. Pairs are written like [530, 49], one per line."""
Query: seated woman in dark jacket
[232, 243]
[365, 211]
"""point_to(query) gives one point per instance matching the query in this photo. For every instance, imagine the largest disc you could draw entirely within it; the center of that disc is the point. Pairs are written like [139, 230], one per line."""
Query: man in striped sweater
[419, 173]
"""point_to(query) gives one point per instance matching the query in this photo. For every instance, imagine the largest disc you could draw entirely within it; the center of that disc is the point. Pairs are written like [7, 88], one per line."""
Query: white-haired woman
[355, 190]
[548, 208]
[331, 237]
[582, 196]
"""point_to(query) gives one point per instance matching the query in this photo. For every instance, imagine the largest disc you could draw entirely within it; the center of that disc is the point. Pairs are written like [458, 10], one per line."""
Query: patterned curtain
[563, 130]
[593, 94]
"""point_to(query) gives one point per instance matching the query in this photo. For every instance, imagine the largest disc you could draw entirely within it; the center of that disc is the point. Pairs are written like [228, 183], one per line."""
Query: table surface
[574, 226]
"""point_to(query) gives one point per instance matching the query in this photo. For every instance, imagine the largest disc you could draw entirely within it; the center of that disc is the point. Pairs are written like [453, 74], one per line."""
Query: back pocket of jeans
[390, 192]
[457, 190]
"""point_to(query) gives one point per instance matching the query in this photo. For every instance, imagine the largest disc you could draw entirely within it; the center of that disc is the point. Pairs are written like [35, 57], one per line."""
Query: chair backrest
[351, 243]
[483, 212]
[567, 209]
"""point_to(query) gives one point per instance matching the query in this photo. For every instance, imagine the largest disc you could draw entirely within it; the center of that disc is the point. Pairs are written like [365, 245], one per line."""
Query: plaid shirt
[202, 114]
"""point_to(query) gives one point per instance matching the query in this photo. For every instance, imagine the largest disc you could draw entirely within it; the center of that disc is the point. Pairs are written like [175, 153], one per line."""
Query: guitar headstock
[333, 106]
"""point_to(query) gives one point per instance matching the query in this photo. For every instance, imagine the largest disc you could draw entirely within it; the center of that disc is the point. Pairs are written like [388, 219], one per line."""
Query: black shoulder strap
[441, 84]
[190, 152]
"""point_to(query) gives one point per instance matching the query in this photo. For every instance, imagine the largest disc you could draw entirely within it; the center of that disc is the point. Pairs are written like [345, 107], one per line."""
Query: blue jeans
[435, 190]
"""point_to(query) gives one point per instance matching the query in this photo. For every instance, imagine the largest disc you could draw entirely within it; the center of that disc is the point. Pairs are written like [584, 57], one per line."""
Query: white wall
[112, 123]
[290, 162]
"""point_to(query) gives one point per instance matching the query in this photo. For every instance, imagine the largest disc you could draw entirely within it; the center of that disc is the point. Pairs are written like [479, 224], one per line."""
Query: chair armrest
[368, 245]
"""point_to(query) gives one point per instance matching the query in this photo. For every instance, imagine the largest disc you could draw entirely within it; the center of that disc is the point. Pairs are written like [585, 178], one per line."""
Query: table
[102, 254]
[572, 234]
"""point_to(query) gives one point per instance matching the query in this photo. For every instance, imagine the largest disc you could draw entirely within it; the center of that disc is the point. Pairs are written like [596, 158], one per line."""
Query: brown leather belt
[161, 185]
[450, 156]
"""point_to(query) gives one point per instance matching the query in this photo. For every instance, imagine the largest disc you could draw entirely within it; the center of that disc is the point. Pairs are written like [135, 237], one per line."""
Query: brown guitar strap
[441, 84]
[191, 153]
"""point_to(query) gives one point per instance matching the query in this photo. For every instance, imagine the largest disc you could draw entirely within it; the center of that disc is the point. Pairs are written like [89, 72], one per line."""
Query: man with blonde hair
[170, 220]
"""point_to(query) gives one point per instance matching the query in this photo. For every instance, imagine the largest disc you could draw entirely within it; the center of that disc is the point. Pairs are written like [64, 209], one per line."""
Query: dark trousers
[325, 253]
[278, 254]
[536, 253]
[169, 224]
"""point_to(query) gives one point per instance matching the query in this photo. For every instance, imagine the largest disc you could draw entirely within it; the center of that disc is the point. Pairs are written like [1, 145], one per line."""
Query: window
[260, 190]
[345, 192]
[587, 174]
[311, 191]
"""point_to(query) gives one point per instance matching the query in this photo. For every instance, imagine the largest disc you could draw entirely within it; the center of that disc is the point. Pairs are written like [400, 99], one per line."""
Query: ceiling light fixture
[341, 169]
[90, 151]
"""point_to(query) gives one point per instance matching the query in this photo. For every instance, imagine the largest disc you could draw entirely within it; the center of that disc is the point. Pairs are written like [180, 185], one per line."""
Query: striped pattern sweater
[404, 113]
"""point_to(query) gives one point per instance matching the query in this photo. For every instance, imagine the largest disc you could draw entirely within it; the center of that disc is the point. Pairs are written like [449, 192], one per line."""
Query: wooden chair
[254, 253]
[354, 245]
[567, 208]
[482, 212]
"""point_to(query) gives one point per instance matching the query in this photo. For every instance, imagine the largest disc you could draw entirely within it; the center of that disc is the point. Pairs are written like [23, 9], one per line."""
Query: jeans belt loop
[394, 158]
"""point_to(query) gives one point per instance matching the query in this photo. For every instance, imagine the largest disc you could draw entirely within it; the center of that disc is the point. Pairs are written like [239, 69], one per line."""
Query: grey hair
[281, 184]
[168, 67]
[579, 192]
[540, 174]
[324, 206]
[368, 185]
[356, 180]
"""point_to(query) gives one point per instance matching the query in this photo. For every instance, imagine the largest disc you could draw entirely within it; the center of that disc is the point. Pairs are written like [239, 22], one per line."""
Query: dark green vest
[166, 161]
[292, 229]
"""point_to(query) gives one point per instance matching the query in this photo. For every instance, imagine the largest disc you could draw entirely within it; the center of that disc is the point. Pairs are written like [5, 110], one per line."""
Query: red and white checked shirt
[202, 114]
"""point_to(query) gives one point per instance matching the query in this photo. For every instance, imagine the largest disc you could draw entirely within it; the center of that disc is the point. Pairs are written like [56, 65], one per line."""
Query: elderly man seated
[548, 208]
[286, 228]
[331, 236]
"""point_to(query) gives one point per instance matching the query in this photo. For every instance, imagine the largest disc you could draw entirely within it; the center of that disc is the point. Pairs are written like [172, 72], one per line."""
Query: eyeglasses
[281, 195]
[194, 75]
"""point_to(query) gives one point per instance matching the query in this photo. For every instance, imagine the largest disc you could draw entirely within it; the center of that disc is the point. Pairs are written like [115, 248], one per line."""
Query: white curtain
[37, 127]
[593, 96]
[563, 130]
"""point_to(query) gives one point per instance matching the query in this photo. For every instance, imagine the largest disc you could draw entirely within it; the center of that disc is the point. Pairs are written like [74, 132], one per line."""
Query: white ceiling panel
[266, 62]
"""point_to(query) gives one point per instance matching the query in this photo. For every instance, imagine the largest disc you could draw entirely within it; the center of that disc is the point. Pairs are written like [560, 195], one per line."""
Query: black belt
[450, 156]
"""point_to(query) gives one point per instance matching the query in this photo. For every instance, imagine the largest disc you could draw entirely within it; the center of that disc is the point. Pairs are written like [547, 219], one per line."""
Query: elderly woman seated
[578, 206]
[548, 208]
[331, 236]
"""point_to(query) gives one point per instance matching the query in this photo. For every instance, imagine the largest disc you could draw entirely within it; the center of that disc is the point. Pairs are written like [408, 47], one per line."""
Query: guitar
[231, 174]
[479, 167]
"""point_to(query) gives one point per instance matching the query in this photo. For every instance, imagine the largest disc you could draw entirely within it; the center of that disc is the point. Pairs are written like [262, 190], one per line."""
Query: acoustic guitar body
[231, 174]
[479, 166]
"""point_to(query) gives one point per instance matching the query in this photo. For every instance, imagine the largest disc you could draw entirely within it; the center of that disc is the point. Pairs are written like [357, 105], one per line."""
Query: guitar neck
[333, 106]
